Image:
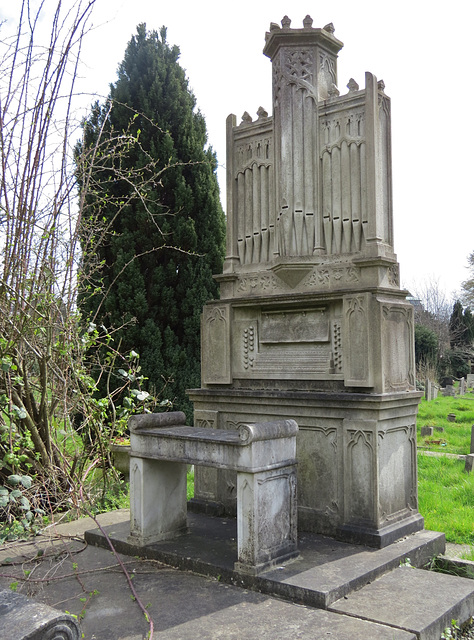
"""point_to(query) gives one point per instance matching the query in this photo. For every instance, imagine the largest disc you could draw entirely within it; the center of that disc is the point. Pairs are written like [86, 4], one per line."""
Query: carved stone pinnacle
[308, 22]
[352, 85]
[285, 23]
[329, 28]
[246, 118]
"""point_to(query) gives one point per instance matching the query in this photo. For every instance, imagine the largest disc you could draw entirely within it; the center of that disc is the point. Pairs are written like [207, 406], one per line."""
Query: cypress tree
[165, 227]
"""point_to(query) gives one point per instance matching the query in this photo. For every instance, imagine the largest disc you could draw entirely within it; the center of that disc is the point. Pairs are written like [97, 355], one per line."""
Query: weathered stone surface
[311, 323]
[421, 602]
[22, 618]
[262, 454]
[426, 431]
[339, 468]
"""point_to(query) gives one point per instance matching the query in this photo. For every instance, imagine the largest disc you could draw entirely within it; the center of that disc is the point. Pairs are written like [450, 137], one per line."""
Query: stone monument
[311, 324]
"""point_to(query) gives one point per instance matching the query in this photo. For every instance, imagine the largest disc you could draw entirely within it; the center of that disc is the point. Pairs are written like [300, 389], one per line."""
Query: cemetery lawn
[448, 437]
[446, 497]
[445, 490]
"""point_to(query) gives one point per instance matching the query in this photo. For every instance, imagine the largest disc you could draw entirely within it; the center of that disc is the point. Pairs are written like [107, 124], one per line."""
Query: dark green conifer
[156, 296]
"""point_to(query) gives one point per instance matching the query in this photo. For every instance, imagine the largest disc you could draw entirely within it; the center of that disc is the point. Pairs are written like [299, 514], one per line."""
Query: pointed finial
[274, 26]
[381, 85]
[333, 91]
[329, 28]
[261, 113]
[352, 85]
[246, 118]
[285, 23]
[308, 22]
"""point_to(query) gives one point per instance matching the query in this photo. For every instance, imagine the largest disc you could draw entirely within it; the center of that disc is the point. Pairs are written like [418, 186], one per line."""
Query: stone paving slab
[422, 602]
[325, 570]
[271, 619]
[87, 581]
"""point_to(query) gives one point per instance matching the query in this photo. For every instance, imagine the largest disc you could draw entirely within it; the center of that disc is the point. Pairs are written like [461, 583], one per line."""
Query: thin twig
[148, 618]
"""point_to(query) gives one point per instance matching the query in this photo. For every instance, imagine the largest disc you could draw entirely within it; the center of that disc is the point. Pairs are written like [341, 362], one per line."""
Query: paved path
[60, 569]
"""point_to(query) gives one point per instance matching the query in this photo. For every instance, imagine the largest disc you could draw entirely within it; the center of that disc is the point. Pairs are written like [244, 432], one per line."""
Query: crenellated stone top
[309, 187]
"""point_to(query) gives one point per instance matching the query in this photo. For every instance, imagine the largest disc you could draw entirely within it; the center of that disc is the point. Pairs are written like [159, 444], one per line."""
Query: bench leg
[157, 500]
[266, 519]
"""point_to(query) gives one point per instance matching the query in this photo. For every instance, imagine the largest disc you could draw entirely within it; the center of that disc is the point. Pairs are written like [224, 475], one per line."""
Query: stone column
[304, 72]
[157, 500]
[266, 518]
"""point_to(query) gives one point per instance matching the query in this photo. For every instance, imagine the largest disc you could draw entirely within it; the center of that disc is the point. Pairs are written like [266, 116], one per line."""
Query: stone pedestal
[356, 458]
[311, 323]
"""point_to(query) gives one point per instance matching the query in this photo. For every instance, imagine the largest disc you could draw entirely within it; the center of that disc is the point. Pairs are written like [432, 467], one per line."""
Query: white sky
[421, 50]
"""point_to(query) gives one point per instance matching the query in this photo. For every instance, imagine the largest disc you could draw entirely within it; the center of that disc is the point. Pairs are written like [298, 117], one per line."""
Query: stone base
[262, 567]
[384, 536]
[356, 454]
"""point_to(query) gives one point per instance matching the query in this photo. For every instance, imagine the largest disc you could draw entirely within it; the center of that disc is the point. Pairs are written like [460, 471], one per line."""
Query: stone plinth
[356, 458]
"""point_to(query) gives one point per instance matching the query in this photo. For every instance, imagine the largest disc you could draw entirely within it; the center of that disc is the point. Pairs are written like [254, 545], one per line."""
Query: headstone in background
[469, 463]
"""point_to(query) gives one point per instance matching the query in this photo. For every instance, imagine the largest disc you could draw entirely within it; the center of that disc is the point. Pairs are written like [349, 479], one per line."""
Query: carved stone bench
[264, 456]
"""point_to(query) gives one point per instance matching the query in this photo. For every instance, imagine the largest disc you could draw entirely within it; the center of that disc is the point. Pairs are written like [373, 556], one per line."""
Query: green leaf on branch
[26, 481]
[19, 412]
[140, 395]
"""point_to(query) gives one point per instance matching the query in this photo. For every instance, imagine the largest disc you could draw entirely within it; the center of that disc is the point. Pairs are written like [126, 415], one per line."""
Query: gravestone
[428, 389]
[449, 391]
[469, 463]
[431, 390]
[311, 323]
[462, 386]
[426, 431]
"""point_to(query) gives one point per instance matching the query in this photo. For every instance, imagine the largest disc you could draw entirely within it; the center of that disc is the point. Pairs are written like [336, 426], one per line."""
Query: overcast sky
[423, 53]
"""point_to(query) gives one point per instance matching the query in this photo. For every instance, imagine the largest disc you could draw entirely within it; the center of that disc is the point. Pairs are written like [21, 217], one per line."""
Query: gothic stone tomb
[311, 324]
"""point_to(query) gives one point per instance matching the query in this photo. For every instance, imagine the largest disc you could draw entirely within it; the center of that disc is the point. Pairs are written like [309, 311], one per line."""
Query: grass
[455, 436]
[445, 490]
[190, 483]
[446, 497]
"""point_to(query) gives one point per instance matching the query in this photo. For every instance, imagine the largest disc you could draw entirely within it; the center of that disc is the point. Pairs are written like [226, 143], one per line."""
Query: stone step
[414, 600]
[351, 582]
[325, 570]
